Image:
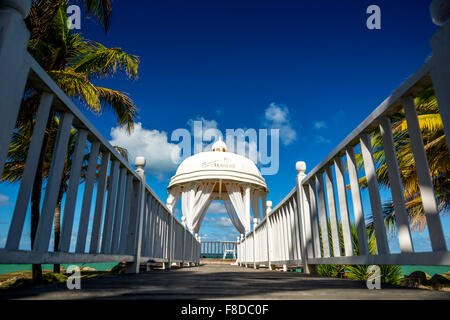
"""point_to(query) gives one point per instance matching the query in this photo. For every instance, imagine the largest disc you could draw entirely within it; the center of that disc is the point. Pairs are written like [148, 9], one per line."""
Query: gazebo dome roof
[218, 164]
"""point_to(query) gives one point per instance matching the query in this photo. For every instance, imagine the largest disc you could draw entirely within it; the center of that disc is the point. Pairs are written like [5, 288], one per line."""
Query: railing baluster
[357, 204]
[323, 215]
[72, 191]
[297, 229]
[343, 207]
[123, 242]
[99, 203]
[332, 211]
[110, 204]
[306, 221]
[87, 198]
[118, 212]
[374, 195]
[287, 231]
[133, 218]
[29, 173]
[280, 235]
[43, 232]
[314, 219]
[423, 173]
[395, 182]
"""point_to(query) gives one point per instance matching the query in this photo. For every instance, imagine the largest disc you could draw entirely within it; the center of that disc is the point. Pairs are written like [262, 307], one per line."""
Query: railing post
[440, 70]
[238, 251]
[301, 169]
[199, 245]
[183, 222]
[134, 267]
[244, 254]
[14, 37]
[255, 224]
[269, 232]
[170, 237]
[194, 259]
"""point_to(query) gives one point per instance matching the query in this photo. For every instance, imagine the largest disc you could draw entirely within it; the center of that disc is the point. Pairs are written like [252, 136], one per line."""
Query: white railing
[133, 226]
[300, 235]
[217, 249]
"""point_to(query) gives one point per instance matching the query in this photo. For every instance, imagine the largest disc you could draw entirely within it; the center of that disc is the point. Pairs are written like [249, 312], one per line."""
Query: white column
[247, 207]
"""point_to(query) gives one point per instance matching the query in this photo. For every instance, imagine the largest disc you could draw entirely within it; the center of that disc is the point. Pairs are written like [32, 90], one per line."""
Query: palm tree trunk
[57, 227]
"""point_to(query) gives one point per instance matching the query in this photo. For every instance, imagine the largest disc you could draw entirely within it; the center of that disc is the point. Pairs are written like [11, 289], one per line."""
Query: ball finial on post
[255, 223]
[21, 6]
[269, 206]
[440, 11]
[300, 166]
[140, 162]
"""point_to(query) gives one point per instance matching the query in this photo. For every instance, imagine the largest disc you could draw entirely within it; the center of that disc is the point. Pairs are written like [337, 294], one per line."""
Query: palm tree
[430, 123]
[391, 274]
[73, 62]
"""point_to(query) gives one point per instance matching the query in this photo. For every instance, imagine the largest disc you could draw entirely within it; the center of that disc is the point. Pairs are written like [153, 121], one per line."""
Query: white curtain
[233, 216]
[235, 195]
[199, 219]
[195, 200]
[255, 199]
[173, 199]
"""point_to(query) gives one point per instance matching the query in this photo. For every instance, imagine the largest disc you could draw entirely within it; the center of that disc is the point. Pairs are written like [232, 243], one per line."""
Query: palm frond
[96, 60]
[120, 104]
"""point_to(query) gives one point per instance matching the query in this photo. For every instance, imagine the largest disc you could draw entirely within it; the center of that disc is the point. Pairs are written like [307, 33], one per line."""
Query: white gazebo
[218, 175]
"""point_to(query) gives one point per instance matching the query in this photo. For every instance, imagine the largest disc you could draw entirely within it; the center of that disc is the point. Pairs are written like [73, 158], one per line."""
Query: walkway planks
[220, 281]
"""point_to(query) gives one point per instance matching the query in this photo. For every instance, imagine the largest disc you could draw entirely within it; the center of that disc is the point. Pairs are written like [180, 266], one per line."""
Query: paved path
[215, 281]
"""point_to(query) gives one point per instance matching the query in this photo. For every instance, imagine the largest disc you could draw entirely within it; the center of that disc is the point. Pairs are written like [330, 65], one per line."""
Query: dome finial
[219, 145]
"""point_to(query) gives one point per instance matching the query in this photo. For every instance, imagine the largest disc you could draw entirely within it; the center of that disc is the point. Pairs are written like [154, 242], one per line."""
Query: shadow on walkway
[214, 281]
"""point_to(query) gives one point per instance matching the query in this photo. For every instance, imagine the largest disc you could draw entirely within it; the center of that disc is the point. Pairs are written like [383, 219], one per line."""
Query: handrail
[305, 229]
[130, 223]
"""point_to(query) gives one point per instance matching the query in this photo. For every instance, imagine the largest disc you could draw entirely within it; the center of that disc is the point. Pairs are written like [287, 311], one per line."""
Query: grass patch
[23, 279]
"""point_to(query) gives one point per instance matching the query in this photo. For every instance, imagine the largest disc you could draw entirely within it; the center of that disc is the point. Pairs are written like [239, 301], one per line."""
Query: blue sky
[228, 62]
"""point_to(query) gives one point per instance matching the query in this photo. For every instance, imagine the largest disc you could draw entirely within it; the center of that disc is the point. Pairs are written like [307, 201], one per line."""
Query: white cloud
[153, 145]
[277, 117]
[207, 124]
[321, 140]
[4, 200]
[223, 222]
[217, 207]
[320, 125]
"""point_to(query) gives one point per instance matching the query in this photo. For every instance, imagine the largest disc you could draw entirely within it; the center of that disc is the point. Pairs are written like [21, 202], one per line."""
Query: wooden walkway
[220, 281]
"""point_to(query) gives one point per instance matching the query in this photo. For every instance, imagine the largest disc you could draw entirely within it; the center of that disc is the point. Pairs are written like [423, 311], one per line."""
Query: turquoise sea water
[5, 268]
